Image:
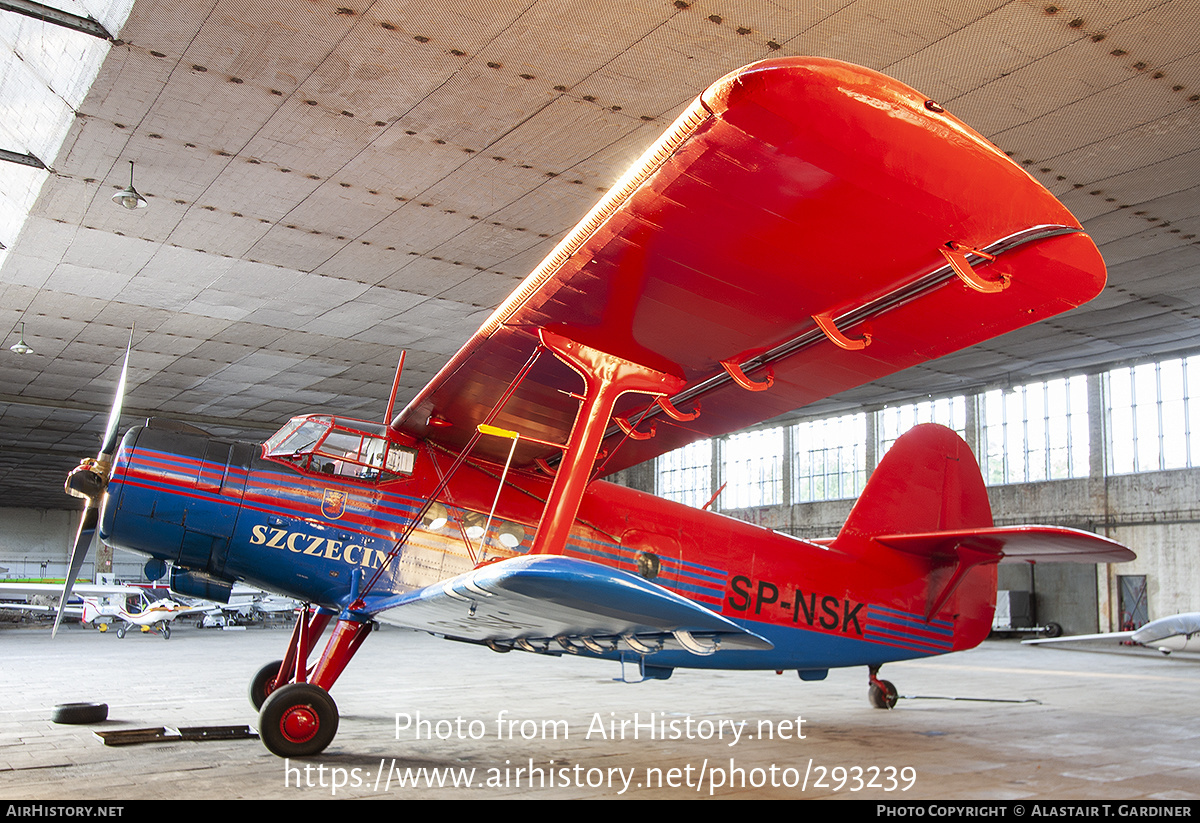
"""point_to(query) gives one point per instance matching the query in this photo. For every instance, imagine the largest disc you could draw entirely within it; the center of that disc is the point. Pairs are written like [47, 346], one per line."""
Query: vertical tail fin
[928, 481]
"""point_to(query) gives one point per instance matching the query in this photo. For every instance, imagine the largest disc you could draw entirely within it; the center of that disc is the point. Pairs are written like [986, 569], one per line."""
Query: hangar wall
[31, 537]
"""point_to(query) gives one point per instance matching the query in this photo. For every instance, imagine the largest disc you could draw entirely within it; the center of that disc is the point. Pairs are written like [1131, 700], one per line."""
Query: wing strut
[606, 377]
[444, 481]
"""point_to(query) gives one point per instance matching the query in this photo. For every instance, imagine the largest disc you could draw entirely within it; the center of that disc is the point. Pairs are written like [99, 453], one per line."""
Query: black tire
[298, 720]
[885, 697]
[1052, 630]
[166, 631]
[121, 631]
[259, 684]
[77, 714]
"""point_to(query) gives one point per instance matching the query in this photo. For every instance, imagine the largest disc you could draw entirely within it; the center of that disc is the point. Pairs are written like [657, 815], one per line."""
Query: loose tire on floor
[79, 713]
[883, 698]
[298, 720]
[260, 683]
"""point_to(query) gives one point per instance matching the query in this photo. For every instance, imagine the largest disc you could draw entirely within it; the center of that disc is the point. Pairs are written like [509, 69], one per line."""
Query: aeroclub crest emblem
[333, 504]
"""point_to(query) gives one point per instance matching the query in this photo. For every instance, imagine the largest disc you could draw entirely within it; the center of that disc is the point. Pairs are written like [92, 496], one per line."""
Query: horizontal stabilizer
[1040, 544]
[555, 604]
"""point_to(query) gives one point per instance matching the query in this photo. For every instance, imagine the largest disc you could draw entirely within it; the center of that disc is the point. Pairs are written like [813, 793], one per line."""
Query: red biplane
[804, 227]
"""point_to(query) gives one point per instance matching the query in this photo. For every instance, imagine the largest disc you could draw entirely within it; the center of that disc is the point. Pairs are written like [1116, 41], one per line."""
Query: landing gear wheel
[80, 713]
[298, 720]
[883, 696]
[166, 631]
[260, 684]
[121, 632]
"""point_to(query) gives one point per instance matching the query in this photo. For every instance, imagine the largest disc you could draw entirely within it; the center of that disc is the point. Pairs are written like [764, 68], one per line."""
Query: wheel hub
[299, 724]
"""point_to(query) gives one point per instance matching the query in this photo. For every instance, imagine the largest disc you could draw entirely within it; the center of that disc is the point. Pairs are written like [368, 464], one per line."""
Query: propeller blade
[83, 539]
[109, 445]
[89, 480]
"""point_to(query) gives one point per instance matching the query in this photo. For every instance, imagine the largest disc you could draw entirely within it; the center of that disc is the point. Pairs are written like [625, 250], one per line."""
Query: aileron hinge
[829, 328]
[676, 414]
[631, 432]
[739, 377]
[956, 255]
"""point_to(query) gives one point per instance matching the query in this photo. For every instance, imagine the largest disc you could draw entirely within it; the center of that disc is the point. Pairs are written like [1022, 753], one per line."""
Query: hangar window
[894, 421]
[830, 458]
[685, 475]
[1036, 432]
[342, 447]
[753, 463]
[1151, 418]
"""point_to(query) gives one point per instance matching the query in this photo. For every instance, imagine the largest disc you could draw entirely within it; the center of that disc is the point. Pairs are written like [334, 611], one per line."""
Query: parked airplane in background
[806, 226]
[26, 597]
[246, 605]
[155, 615]
[104, 604]
[1174, 633]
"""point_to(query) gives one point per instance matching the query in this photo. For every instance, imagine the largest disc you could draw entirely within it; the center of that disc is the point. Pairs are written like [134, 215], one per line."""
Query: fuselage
[307, 528]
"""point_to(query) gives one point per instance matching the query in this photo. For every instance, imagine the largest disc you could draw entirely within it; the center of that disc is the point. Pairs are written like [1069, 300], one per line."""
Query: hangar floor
[1100, 725]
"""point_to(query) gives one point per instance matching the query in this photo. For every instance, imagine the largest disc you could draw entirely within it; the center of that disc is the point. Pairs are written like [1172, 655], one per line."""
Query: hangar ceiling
[331, 182]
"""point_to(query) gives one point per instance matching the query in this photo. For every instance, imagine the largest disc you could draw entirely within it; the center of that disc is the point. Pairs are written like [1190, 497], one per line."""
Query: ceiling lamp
[21, 347]
[129, 198]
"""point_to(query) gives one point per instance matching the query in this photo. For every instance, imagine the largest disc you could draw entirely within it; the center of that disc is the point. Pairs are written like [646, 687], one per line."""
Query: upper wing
[548, 602]
[791, 190]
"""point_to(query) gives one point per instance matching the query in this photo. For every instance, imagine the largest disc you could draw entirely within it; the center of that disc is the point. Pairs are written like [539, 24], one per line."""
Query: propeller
[88, 481]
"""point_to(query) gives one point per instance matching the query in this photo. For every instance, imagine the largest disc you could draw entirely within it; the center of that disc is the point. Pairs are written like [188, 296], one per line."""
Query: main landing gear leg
[299, 719]
[882, 693]
[310, 623]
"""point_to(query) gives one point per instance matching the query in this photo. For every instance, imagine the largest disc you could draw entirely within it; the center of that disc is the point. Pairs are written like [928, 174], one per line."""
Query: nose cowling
[176, 495]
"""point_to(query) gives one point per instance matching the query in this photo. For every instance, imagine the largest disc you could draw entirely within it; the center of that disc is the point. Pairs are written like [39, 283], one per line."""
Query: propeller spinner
[88, 481]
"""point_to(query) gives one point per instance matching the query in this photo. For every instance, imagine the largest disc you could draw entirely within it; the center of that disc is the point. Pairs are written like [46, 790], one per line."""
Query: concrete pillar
[1097, 428]
[787, 462]
[870, 458]
[974, 429]
[1098, 445]
[716, 470]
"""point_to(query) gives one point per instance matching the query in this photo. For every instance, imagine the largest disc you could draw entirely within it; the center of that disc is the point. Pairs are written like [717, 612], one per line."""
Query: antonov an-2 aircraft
[804, 227]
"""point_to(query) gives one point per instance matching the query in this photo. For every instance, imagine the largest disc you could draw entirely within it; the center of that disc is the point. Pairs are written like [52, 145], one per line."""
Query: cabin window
[340, 447]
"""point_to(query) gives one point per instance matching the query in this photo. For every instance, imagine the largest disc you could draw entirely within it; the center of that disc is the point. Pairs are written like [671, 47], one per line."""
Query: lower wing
[554, 603]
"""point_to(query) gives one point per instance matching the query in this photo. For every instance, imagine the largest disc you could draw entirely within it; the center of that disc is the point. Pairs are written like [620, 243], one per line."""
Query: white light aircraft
[1174, 633]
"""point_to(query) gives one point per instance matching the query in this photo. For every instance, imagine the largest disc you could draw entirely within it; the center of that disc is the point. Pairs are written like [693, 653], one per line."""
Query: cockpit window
[341, 447]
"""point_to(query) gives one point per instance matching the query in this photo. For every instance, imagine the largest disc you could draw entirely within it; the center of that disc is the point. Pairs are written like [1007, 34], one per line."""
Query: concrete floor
[1116, 724]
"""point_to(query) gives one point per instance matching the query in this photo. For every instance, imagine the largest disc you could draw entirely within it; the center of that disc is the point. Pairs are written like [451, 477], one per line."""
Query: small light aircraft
[1174, 633]
[804, 227]
[154, 615]
[102, 604]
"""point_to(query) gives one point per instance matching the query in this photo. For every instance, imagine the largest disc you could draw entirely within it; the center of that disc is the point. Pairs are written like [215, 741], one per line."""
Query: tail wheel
[298, 720]
[262, 683]
[883, 695]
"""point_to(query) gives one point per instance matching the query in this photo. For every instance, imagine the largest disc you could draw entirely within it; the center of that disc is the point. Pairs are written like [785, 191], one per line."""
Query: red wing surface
[793, 193]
